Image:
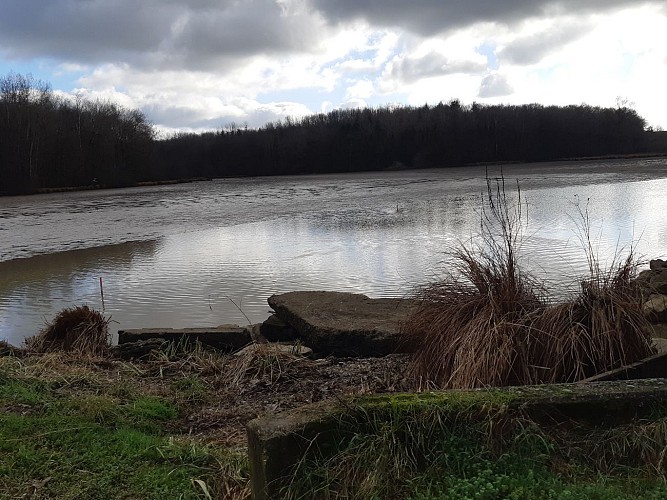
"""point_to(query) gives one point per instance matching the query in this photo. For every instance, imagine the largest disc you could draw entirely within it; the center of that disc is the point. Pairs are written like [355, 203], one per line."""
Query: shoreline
[68, 189]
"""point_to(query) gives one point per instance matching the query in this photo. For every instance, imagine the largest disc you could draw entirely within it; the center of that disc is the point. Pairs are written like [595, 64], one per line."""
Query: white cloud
[199, 64]
[495, 85]
[362, 89]
[353, 103]
[622, 55]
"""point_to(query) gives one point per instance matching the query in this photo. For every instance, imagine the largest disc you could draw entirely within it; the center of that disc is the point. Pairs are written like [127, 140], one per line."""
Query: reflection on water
[208, 244]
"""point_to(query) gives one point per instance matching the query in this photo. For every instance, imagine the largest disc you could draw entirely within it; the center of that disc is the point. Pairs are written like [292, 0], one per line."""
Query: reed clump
[77, 329]
[489, 323]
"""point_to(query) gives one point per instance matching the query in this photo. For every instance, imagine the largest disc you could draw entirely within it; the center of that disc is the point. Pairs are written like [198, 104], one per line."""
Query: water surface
[208, 253]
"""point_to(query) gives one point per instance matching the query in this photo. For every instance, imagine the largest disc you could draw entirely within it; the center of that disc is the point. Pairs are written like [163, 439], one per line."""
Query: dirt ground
[218, 393]
[252, 388]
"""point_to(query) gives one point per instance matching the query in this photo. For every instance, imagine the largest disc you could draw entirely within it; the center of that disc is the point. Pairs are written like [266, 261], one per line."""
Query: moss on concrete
[281, 443]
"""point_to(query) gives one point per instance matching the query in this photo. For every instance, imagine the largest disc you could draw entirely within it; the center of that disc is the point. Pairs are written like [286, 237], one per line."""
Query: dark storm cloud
[428, 17]
[433, 64]
[248, 28]
[149, 31]
[83, 30]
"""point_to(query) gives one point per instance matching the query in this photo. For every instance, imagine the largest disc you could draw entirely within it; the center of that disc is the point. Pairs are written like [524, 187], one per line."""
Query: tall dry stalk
[489, 323]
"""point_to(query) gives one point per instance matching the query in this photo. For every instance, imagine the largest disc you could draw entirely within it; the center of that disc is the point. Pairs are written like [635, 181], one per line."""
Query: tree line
[48, 141]
[51, 141]
[406, 137]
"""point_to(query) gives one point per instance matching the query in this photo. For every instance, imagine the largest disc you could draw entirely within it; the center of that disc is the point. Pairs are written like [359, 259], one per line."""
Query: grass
[69, 428]
[490, 323]
[483, 448]
[89, 427]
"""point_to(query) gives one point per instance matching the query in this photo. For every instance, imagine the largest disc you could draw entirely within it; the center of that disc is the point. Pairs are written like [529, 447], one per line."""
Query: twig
[240, 310]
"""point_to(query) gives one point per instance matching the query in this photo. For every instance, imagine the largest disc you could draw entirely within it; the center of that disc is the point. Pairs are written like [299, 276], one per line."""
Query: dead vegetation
[489, 323]
[76, 329]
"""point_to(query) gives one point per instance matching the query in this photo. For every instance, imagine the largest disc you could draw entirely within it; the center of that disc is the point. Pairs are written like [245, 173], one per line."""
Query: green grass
[90, 428]
[97, 443]
[512, 476]
[482, 449]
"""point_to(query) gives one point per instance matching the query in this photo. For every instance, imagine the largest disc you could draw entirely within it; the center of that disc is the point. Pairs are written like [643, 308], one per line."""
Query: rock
[255, 334]
[225, 337]
[138, 349]
[344, 324]
[655, 309]
[658, 281]
[660, 345]
[653, 281]
[272, 348]
[657, 264]
[275, 329]
[658, 331]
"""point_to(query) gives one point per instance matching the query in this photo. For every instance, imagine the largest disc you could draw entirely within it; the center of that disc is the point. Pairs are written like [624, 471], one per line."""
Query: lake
[209, 253]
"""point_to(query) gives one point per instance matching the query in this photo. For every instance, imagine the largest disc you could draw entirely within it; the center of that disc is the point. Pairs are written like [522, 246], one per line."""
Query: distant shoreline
[68, 189]
[92, 187]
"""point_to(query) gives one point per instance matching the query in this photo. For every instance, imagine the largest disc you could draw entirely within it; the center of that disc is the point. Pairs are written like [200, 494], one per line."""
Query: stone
[658, 281]
[653, 281]
[345, 324]
[655, 309]
[226, 338]
[657, 264]
[255, 335]
[138, 349]
[658, 331]
[661, 346]
[275, 329]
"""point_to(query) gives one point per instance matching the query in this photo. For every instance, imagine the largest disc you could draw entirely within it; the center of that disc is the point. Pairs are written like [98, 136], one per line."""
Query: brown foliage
[77, 329]
[490, 324]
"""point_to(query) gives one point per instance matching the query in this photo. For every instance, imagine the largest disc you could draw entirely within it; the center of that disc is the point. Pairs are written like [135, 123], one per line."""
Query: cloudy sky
[203, 64]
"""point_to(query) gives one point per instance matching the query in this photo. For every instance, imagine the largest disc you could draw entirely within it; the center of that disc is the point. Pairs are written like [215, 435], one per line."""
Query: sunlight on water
[211, 253]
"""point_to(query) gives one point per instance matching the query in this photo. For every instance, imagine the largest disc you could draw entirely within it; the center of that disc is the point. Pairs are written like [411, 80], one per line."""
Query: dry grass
[602, 328]
[491, 324]
[77, 329]
[266, 362]
[186, 358]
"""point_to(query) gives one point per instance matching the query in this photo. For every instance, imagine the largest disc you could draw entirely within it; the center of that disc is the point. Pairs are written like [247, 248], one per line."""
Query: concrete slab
[224, 337]
[277, 443]
[344, 324]
[661, 346]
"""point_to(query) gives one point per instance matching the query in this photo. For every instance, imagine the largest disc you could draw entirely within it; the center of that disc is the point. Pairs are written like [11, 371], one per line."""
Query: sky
[195, 65]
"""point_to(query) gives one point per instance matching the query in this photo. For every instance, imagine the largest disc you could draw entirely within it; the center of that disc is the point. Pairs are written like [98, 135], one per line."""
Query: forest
[48, 141]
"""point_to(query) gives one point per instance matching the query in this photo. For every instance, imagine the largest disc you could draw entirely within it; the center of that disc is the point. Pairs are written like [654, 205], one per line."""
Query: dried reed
[488, 323]
[265, 362]
[77, 329]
